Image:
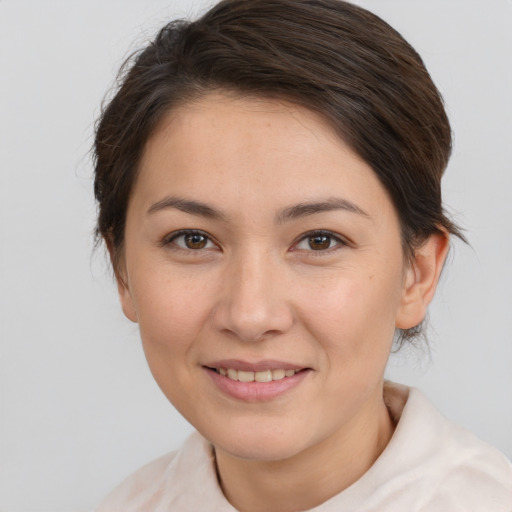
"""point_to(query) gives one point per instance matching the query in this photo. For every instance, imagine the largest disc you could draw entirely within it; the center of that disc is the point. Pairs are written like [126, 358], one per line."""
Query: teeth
[264, 376]
[278, 374]
[245, 376]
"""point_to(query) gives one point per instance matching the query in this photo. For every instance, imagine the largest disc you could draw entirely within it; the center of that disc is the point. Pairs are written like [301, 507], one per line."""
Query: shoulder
[141, 488]
[451, 468]
[184, 480]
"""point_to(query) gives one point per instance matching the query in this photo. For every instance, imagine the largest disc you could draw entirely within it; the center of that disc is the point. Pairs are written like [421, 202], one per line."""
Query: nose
[252, 302]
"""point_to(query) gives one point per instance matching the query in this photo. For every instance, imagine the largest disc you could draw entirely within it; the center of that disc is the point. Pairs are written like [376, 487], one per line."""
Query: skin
[257, 290]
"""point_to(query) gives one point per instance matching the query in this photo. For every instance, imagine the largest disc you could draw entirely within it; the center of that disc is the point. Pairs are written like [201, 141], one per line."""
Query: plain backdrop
[78, 408]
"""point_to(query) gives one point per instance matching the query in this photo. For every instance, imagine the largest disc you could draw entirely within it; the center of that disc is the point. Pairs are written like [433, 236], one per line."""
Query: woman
[268, 180]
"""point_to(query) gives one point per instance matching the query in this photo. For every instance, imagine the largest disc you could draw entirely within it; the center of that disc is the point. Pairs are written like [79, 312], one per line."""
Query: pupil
[319, 242]
[195, 241]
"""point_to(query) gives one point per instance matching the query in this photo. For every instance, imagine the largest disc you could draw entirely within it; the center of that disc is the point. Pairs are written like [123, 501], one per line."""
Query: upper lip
[257, 366]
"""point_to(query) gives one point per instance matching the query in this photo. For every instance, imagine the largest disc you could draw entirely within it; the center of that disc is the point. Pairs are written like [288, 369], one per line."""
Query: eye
[190, 240]
[319, 241]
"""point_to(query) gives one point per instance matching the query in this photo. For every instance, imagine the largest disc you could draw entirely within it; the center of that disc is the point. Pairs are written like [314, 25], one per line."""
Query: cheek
[172, 313]
[170, 310]
[353, 315]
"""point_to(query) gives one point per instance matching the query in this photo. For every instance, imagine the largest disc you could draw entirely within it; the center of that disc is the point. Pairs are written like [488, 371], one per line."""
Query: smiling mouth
[261, 376]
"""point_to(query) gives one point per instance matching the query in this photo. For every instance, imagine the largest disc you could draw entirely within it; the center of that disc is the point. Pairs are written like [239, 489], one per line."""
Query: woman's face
[257, 244]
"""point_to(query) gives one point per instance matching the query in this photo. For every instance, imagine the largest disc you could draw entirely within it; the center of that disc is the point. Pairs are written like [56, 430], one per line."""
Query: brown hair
[329, 56]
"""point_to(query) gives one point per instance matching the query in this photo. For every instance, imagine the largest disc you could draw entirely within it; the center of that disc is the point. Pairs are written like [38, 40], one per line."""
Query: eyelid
[341, 241]
[171, 237]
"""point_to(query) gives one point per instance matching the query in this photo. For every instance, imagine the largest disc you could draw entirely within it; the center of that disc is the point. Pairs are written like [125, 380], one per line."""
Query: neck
[311, 477]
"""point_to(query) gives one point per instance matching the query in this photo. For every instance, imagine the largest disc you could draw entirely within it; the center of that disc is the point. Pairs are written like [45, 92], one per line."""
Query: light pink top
[430, 465]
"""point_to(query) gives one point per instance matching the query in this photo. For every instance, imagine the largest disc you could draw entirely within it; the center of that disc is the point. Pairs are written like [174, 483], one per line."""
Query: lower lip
[256, 391]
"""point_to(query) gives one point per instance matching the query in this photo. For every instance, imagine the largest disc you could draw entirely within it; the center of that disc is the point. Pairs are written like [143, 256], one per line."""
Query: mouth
[268, 375]
[256, 382]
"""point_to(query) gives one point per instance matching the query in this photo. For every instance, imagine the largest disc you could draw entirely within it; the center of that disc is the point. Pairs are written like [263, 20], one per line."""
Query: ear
[126, 299]
[119, 265]
[420, 280]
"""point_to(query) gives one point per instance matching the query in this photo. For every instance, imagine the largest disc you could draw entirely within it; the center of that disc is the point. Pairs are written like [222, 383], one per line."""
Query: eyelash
[339, 242]
[170, 241]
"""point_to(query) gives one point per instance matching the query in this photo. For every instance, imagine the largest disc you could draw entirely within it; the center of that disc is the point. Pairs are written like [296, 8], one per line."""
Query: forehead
[255, 151]
[225, 120]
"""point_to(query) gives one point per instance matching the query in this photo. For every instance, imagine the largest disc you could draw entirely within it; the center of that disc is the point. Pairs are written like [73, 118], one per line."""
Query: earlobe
[420, 281]
[123, 289]
[126, 299]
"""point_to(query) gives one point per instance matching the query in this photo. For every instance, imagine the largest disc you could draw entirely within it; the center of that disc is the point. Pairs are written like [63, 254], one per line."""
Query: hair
[329, 56]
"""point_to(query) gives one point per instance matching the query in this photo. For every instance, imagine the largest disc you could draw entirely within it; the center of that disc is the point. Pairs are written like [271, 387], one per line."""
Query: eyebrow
[187, 206]
[305, 209]
[291, 213]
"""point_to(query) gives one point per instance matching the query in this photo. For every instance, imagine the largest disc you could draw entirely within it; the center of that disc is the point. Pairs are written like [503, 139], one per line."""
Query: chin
[263, 443]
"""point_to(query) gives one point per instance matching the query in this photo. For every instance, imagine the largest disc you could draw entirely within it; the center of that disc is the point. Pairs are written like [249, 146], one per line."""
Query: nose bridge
[253, 302]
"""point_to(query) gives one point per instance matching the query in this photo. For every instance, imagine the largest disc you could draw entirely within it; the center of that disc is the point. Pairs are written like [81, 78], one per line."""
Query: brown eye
[195, 241]
[319, 242]
[190, 240]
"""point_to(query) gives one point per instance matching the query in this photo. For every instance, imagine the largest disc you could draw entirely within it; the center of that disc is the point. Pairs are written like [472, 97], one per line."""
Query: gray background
[78, 407]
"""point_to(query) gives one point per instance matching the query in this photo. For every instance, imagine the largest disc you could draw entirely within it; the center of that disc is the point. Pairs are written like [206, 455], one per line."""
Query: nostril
[252, 309]
[250, 336]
